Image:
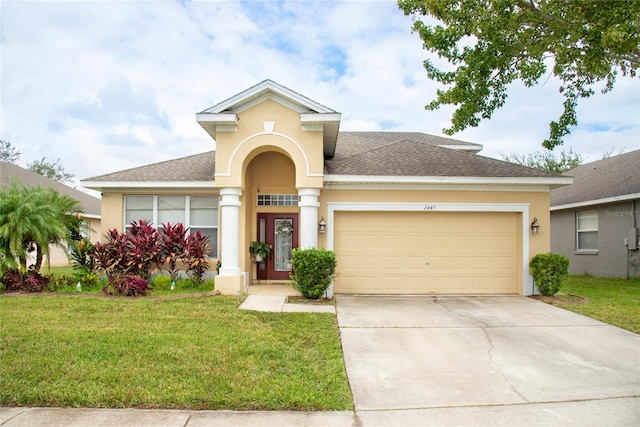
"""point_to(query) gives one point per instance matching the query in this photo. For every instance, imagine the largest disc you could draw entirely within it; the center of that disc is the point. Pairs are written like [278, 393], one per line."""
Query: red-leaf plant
[144, 245]
[126, 285]
[196, 257]
[131, 253]
[173, 247]
[112, 255]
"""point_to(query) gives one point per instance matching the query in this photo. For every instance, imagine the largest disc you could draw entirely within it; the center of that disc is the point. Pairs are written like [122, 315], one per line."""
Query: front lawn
[197, 353]
[611, 300]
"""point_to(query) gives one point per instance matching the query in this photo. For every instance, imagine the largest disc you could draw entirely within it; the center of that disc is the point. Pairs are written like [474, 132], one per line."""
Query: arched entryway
[272, 213]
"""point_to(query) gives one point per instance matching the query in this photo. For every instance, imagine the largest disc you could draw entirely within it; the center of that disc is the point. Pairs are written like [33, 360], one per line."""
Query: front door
[280, 231]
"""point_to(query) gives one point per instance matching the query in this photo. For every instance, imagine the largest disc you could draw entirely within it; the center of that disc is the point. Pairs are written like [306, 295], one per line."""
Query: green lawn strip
[197, 353]
[160, 285]
[611, 300]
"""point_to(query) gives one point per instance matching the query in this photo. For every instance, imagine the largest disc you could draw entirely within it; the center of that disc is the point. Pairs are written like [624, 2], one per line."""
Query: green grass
[57, 271]
[611, 300]
[160, 285]
[198, 353]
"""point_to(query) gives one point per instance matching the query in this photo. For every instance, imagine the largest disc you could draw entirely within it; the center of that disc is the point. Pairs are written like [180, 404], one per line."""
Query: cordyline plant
[136, 252]
[173, 247]
[132, 253]
[196, 255]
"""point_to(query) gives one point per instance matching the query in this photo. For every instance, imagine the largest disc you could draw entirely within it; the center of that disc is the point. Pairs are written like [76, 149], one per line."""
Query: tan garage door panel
[427, 252]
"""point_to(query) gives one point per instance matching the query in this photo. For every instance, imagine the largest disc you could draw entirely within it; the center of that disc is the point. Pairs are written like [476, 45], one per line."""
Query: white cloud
[111, 85]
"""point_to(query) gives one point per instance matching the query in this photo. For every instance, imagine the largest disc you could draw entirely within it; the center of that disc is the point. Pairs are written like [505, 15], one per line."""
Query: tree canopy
[547, 160]
[8, 153]
[53, 170]
[492, 43]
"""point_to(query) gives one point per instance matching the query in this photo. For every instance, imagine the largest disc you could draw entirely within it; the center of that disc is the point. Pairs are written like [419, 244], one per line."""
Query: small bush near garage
[313, 271]
[549, 271]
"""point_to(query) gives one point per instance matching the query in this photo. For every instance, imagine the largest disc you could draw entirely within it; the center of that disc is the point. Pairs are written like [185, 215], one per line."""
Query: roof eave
[329, 123]
[215, 122]
[470, 148]
[112, 185]
[606, 200]
[552, 182]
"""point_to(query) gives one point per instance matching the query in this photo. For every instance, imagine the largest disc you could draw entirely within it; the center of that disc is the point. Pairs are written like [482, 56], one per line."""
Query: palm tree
[30, 220]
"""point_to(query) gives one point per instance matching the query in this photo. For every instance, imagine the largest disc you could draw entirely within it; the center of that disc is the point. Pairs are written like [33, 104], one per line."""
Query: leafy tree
[31, 219]
[492, 43]
[547, 160]
[53, 170]
[8, 153]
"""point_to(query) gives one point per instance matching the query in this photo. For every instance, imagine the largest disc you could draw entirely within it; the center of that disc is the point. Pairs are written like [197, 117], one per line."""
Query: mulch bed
[87, 295]
[303, 300]
[561, 299]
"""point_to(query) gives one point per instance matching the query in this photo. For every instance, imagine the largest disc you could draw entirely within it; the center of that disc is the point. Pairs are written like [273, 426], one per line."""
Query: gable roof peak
[268, 89]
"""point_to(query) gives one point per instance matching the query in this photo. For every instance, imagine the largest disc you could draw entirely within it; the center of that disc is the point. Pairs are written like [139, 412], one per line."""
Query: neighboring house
[88, 204]
[594, 221]
[405, 212]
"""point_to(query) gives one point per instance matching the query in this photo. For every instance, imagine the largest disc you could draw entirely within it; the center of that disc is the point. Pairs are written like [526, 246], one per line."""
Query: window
[587, 231]
[277, 200]
[199, 213]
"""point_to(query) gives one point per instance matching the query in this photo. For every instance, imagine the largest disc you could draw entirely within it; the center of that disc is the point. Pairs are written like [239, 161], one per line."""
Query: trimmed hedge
[313, 271]
[549, 271]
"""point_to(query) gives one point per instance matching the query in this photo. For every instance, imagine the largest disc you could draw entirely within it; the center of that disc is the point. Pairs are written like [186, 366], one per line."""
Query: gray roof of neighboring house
[89, 204]
[603, 179]
[357, 153]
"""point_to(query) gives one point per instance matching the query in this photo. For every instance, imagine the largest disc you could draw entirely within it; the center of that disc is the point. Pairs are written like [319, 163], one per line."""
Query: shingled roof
[417, 154]
[412, 154]
[606, 179]
[198, 167]
[9, 172]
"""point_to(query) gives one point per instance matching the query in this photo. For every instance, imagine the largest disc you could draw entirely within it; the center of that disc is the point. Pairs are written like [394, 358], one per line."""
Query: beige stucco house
[405, 212]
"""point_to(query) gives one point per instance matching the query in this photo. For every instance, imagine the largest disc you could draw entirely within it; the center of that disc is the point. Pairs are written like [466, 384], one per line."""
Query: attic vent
[277, 200]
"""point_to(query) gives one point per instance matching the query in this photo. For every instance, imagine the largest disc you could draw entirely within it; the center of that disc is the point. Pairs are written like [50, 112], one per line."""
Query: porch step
[273, 289]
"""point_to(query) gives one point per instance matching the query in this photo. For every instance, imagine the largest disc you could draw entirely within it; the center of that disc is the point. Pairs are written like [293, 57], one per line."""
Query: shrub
[126, 285]
[80, 252]
[173, 246]
[31, 281]
[313, 271]
[196, 256]
[132, 253]
[144, 248]
[60, 283]
[549, 271]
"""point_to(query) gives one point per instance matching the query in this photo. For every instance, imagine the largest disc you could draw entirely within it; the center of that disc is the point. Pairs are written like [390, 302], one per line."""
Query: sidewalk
[81, 417]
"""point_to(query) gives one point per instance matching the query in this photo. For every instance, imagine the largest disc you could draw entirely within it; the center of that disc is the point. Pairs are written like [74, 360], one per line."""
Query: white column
[229, 241]
[308, 217]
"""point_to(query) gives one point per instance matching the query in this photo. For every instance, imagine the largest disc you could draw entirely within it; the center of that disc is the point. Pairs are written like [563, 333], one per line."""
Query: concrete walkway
[278, 303]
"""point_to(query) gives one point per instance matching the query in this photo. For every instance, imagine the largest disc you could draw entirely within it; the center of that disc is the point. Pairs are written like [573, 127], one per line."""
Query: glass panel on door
[283, 244]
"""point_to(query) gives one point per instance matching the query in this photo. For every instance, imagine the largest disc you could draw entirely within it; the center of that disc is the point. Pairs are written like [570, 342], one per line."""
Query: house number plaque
[429, 207]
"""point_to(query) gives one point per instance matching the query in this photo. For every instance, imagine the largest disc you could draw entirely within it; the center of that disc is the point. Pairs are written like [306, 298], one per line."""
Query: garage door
[427, 252]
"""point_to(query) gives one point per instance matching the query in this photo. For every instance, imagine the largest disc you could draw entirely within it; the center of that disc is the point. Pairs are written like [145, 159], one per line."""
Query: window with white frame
[277, 200]
[587, 231]
[199, 213]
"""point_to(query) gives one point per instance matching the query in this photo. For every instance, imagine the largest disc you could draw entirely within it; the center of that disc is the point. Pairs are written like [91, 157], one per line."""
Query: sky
[106, 86]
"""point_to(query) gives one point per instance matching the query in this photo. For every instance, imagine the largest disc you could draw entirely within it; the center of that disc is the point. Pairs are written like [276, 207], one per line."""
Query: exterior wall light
[322, 226]
[534, 226]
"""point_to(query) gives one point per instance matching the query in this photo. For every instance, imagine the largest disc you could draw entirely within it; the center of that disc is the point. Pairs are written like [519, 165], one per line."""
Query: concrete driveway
[486, 361]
